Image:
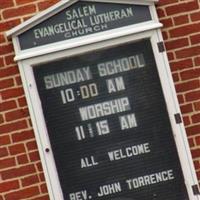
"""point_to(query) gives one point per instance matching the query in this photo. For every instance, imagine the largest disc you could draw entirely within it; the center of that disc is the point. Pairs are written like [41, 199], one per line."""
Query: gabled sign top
[70, 19]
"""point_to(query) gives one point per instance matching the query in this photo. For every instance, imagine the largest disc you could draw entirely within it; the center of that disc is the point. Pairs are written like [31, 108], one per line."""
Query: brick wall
[181, 32]
[21, 175]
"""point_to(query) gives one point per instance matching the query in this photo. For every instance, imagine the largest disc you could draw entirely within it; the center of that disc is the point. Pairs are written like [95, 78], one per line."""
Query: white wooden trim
[173, 108]
[153, 12]
[16, 45]
[40, 131]
[86, 48]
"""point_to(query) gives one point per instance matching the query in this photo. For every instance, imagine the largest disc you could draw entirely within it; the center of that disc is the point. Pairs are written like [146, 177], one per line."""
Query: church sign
[83, 18]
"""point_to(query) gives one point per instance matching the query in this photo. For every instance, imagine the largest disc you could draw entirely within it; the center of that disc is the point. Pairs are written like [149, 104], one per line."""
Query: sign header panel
[108, 126]
[83, 18]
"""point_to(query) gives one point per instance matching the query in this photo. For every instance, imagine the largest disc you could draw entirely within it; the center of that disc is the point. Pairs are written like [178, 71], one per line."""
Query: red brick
[170, 55]
[22, 159]
[165, 35]
[23, 194]
[20, 2]
[34, 156]
[6, 83]
[46, 197]
[13, 126]
[1, 119]
[6, 163]
[42, 178]
[2, 38]
[7, 25]
[184, 30]
[187, 86]
[197, 106]
[193, 130]
[10, 185]
[178, 43]
[30, 122]
[12, 93]
[39, 166]
[46, 4]
[195, 153]
[8, 105]
[44, 188]
[192, 96]
[191, 142]
[18, 172]
[180, 99]
[175, 77]
[6, 4]
[197, 164]
[161, 12]
[5, 49]
[188, 52]
[10, 59]
[198, 175]
[17, 149]
[186, 108]
[197, 139]
[180, 65]
[182, 7]
[6, 72]
[195, 16]
[183, 19]
[2, 64]
[3, 152]
[19, 11]
[195, 39]
[22, 136]
[166, 2]
[4, 140]
[17, 114]
[32, 145]
[26, 18]
[18, 81]
[196, 118]
[22, 101]
[30, 180]
[197, 61]
[186, 120]
[190, 74]
[167, 22]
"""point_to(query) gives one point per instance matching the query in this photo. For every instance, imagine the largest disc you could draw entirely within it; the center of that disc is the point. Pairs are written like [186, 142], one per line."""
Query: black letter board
[83, 18]
[108, 126]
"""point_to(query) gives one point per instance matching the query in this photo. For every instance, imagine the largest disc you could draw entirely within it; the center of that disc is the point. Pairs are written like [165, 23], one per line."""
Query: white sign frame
[169, 94]
[29, 58]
